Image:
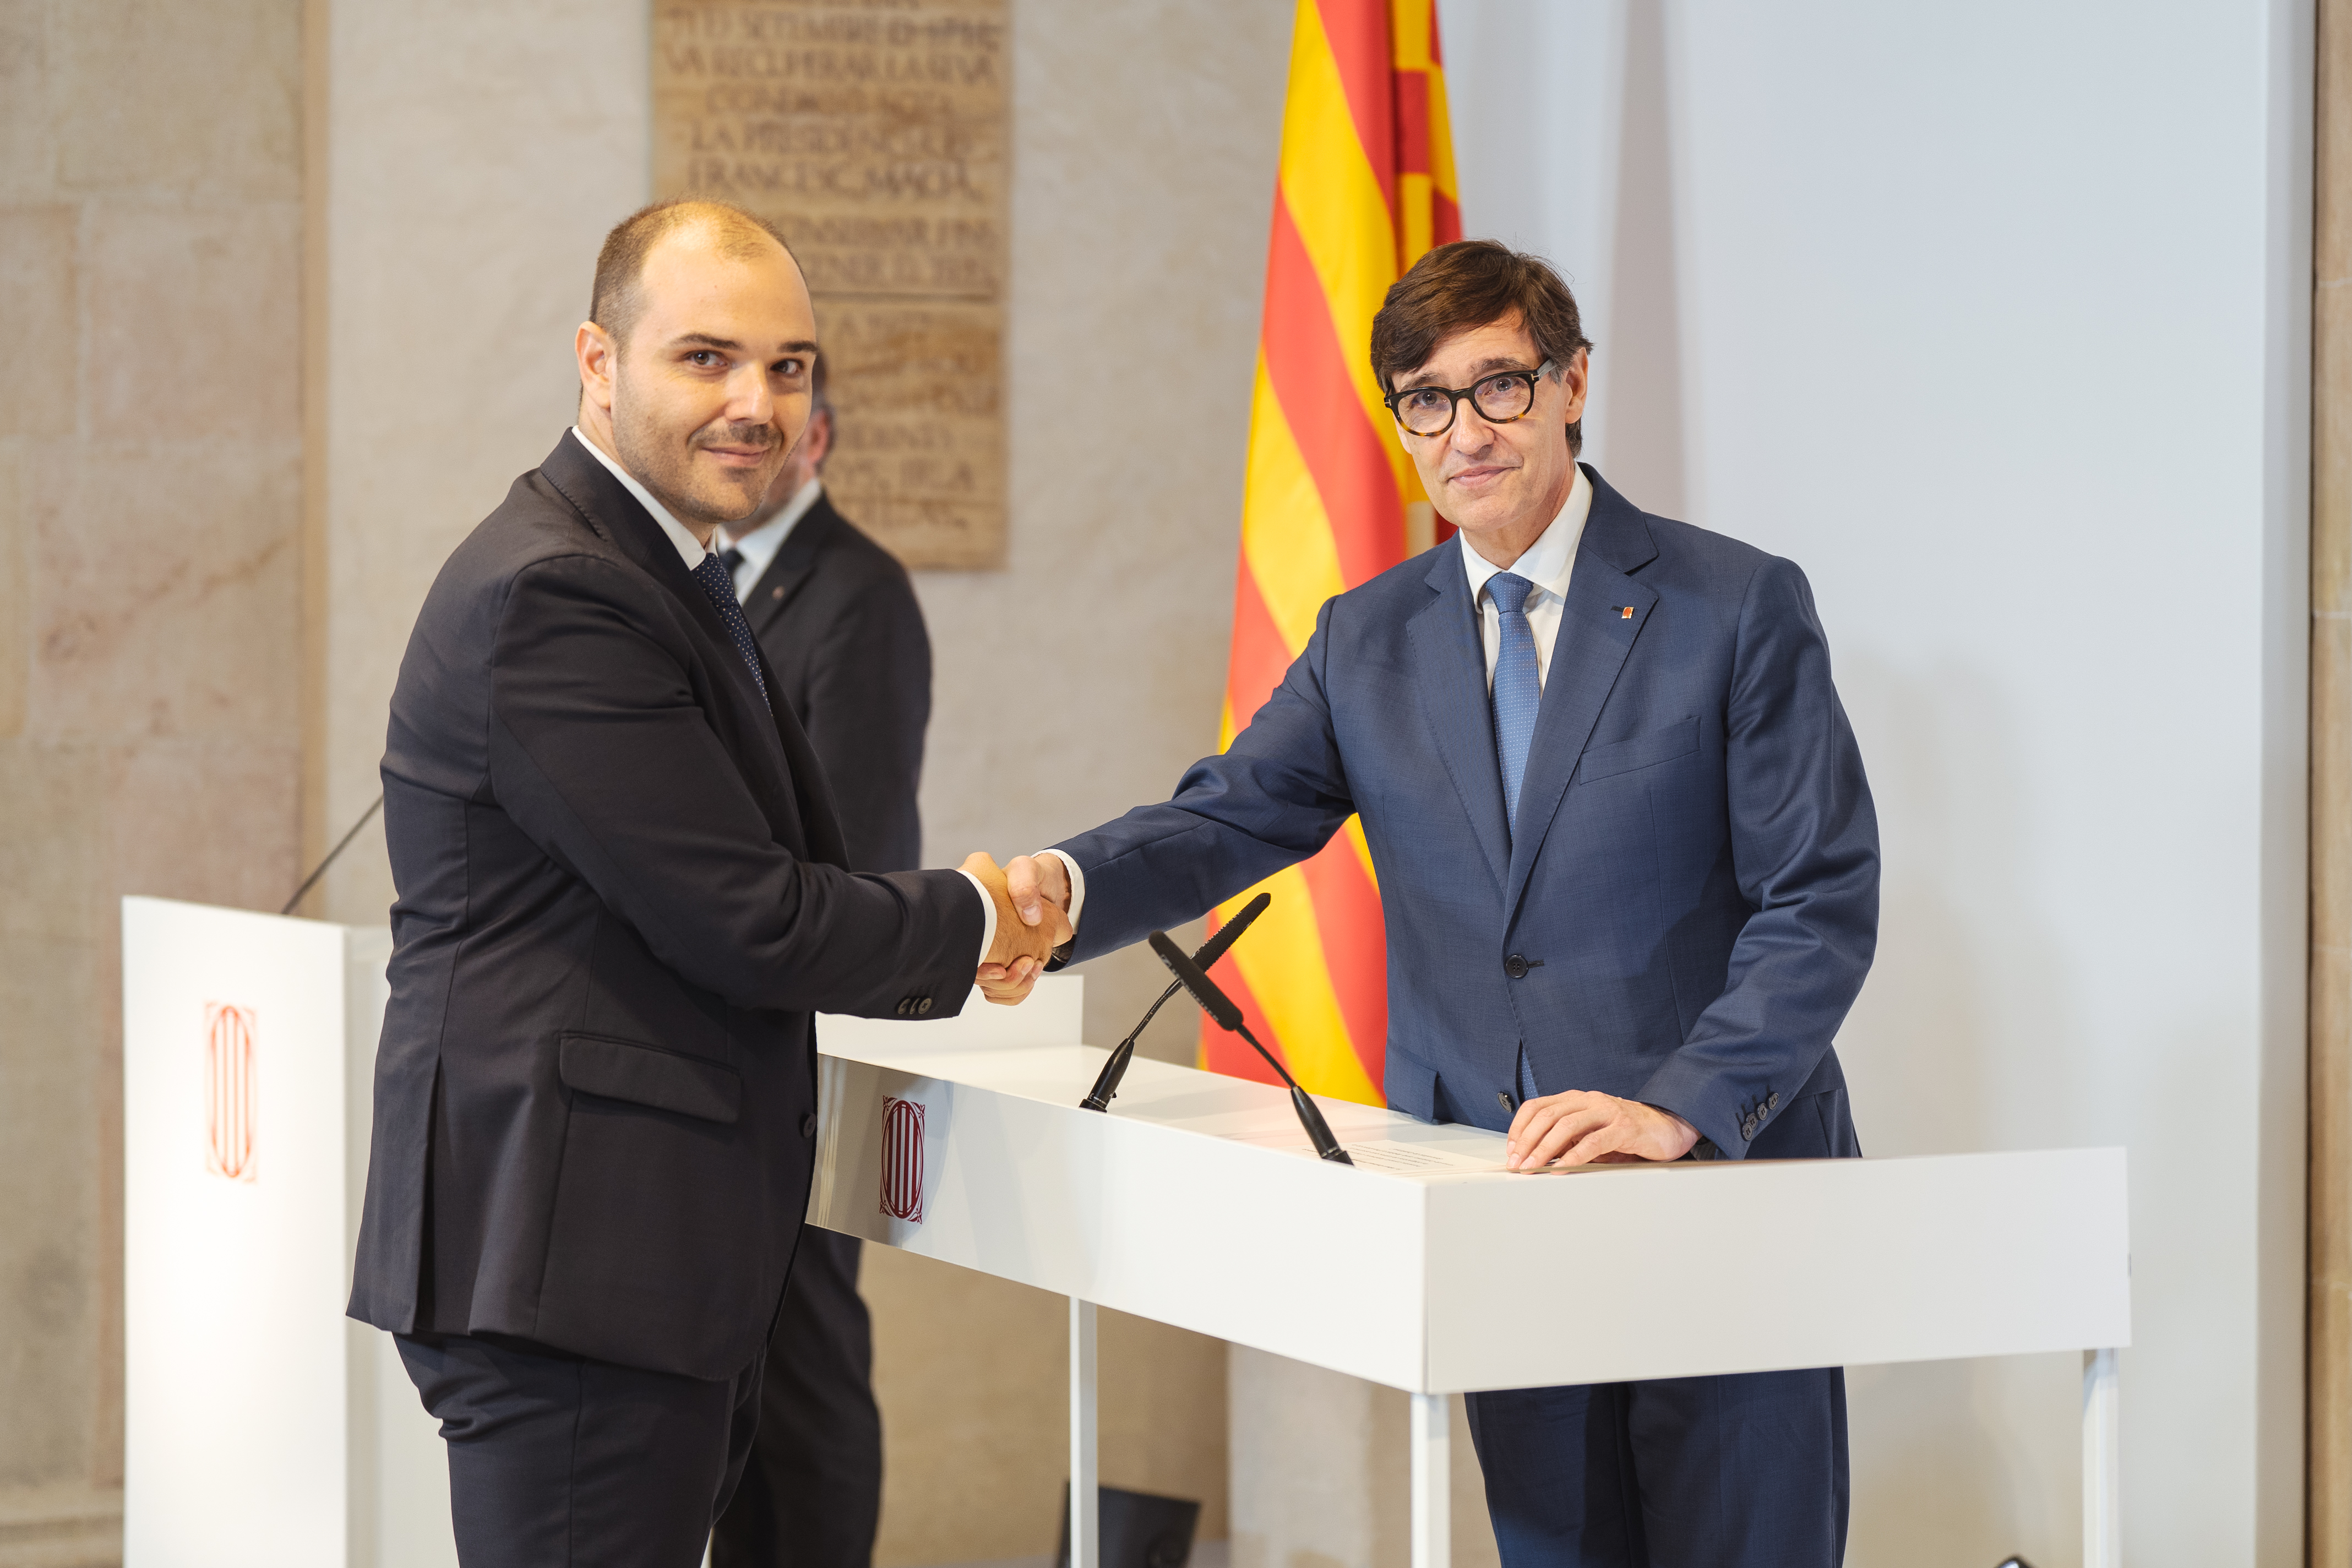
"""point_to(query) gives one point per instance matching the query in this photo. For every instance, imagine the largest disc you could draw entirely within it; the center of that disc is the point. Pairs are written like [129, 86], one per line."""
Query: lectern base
[1432, 1439]
[1085, 1477]
[1433, 1480]
[2103, 1471]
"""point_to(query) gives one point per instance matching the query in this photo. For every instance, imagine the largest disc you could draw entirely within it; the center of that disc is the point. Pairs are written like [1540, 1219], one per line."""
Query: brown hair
[820, 404]
[1465, 285]
[614, 303]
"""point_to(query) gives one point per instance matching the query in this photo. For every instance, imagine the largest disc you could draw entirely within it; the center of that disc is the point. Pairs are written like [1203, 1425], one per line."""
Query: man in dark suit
[622, 894]
[837, 619]
[1629, 871]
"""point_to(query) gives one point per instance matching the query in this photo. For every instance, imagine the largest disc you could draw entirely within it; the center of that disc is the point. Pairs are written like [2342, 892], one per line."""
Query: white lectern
[262, 1429]
[1198, 1202]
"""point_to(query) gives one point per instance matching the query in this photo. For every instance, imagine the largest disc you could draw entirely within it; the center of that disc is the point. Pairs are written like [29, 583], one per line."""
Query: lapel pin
[1624, 612]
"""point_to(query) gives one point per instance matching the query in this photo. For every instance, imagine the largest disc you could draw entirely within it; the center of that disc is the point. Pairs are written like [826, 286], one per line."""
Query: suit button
[902, 1006]
[923, 1008]
[808, 1125]
[1515, 967]
[775, 592]
[1772, 1101]
[1748, 1128]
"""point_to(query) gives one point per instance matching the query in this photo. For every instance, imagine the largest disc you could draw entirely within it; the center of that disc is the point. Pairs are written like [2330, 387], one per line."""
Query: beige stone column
[2329, 1453]
[150, 736]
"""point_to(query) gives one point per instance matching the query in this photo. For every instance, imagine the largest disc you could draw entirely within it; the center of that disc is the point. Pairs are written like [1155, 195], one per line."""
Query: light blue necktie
[1518, 685]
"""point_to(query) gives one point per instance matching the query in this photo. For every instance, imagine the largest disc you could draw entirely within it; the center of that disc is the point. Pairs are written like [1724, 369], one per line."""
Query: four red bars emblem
[902, 1160]
[228, 1092]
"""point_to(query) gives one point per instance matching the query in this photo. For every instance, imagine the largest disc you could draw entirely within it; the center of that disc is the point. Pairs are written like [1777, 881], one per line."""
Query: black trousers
[557, 1461]
[1746, 1471]
[812, 1490]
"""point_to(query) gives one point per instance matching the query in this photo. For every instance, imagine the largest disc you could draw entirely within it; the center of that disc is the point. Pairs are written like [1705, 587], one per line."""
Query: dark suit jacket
[620, 899]
[838, 618]
[1690, 902]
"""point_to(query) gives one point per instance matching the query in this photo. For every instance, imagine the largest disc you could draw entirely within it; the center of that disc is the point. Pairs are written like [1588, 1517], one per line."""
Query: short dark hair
[820, 404]
[1467, 284]
[615, 303]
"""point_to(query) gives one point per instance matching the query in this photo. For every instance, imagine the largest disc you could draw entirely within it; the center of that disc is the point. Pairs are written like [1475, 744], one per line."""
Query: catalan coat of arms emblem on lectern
[902, 1159]
[229, 1096]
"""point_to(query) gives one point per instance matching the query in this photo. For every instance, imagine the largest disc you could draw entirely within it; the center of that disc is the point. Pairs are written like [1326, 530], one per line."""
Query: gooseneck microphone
[1106, 1082]
[1227, 1017]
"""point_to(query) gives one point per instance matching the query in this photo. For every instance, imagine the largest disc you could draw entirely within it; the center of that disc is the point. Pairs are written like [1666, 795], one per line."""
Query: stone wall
[150, 467]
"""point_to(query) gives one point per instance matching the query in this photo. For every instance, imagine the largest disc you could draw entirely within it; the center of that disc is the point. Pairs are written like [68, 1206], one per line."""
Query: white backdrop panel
[1993, 318]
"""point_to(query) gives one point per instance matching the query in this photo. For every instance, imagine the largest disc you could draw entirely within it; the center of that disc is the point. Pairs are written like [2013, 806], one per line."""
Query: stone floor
[1205, 1554]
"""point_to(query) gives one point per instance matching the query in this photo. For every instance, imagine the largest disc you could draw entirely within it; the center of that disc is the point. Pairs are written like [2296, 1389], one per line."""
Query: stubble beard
[669, 472]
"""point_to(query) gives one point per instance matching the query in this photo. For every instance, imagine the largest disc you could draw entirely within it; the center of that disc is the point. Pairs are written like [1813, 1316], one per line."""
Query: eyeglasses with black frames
[1499, 398]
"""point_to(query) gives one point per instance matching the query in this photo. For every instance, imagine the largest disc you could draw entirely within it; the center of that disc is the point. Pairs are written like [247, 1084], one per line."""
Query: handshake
[1031, 895]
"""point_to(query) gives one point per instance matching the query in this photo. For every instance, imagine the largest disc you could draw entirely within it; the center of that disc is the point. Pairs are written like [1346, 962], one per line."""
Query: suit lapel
[1449, 668]
[793, 565]
[588, 485]
[790, 571]
[617, 517]
[819, 820]
[1595, 636]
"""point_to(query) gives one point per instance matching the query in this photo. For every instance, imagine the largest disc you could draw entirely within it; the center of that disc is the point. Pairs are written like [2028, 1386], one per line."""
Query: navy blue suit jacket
[1690, 902]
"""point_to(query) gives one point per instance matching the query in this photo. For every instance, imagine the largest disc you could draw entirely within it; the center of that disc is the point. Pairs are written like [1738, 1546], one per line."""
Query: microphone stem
[1106, 1082]
[1271, 1060]
[1153, 1012]
[1319, 1131]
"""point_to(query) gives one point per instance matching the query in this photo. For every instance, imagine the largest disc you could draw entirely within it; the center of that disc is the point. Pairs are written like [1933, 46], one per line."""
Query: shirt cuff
[1077, 886]
[987, 916]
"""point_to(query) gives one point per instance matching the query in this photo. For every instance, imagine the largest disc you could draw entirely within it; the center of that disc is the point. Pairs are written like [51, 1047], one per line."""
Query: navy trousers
[557, 1461]
[1744, 1471]
[812, 1495]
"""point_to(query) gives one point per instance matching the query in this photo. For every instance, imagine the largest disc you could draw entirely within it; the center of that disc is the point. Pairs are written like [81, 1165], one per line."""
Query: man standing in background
[838, 621]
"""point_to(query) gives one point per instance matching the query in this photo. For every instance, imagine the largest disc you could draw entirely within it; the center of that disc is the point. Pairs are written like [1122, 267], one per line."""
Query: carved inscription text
[874, 133]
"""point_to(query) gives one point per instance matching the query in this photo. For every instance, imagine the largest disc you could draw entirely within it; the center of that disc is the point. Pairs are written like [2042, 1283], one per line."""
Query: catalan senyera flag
[1366, 186]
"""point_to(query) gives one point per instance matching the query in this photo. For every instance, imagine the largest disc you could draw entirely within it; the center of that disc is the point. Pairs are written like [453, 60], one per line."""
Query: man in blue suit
[1629, 868]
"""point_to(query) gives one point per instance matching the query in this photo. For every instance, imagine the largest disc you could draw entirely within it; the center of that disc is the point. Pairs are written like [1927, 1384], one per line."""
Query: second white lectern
[1197, 1201]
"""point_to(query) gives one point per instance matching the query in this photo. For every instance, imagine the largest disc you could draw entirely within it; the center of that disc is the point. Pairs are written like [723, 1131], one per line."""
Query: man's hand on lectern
[1039, 887]
[1583, 1128]
[1024, 940]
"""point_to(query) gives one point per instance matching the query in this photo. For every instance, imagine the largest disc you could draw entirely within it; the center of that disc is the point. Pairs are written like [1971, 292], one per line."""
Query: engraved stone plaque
[873, 132]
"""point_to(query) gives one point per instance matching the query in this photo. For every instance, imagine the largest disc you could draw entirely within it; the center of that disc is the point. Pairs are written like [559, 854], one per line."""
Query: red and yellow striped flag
[1366, 186]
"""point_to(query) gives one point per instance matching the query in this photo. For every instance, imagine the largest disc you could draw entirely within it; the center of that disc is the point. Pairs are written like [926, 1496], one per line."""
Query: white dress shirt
[691, 552]
[689, 549]
[1546, 563]
[760, 545]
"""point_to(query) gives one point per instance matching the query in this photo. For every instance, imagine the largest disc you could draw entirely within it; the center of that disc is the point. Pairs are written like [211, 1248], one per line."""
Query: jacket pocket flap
[647, 1075]
[1641, 752]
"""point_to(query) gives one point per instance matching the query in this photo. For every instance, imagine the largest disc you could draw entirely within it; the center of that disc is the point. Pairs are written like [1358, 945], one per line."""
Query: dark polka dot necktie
[719, 586]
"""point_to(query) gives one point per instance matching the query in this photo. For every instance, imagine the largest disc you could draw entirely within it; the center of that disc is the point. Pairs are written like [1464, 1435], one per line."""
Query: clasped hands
[1032, 895]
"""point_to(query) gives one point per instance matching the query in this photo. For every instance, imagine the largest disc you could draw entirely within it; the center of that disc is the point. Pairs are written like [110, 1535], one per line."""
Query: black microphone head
[1230, 932]
[1214, 1002]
